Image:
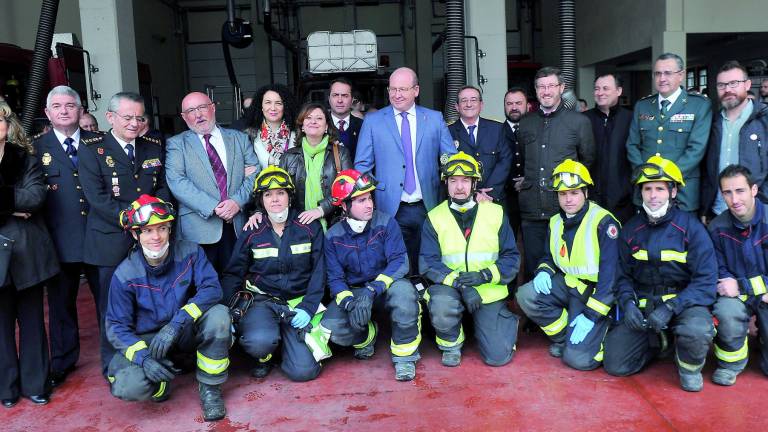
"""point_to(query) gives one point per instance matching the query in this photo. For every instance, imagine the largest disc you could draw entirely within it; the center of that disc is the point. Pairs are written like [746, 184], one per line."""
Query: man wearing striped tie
[210, 171]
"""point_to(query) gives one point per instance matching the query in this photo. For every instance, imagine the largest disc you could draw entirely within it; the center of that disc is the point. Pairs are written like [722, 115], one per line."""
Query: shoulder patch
[153, 140]
[38, 135]
[451, 122]
[612, 231]
[93, 140]
[648, 97]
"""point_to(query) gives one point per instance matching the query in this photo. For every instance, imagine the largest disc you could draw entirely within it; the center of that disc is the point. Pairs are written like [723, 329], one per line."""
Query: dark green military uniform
[680, 134]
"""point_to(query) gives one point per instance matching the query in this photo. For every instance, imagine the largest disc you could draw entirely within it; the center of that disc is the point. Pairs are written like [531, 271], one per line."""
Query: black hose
[455, 63]
[38, 73]
[567, 13]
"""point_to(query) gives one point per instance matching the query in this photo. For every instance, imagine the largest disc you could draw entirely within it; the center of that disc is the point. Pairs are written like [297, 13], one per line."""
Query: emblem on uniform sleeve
[456, 143]
[444, 158]
[612, 231]
[100, 150]
[110, 162]
[46, 159]
[150, 163]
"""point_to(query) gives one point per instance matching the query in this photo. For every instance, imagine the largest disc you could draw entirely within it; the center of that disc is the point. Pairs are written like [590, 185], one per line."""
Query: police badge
[110, 162]
[46, 159]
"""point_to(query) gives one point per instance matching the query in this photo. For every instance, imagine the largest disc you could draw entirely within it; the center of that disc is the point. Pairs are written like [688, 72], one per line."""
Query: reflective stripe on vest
[585, 263]
[482, 250]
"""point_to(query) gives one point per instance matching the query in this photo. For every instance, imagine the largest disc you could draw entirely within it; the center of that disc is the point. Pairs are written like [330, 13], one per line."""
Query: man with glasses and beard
[515, 106]
[738, 136]
[114, 169]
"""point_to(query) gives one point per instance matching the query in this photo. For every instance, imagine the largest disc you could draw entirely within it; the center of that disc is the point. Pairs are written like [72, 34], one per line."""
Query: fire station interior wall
[19, 19]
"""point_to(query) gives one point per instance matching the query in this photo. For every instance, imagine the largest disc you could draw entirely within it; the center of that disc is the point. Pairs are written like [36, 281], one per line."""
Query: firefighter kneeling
[162, 303]
[367, 263]
[574, 287]
[468, 250]
[667, 278]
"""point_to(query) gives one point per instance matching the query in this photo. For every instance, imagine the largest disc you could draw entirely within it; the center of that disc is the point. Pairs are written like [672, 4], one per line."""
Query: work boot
[556, 349]
[724, 377]
[366, 352]
[451, 358]
[162, 393]
[405, 371]
[691, 382]
[262, 369]
[213, 404]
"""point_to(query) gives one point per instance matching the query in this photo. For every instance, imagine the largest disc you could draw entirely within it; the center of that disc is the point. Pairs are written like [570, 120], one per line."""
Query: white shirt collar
[61, 137]
[513, 125]
[215, 133]
[466, 125]
[121, 142]
[337, 119]
[411, 111]
[672, 98]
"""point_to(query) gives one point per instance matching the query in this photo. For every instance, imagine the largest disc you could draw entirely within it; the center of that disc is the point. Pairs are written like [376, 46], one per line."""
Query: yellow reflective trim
[599, 356]
[264, 253]
[448, 344]
[426, 296]
[369, 339]
[641, 255]
[342, 295]
[386, 279]
[643, 302]
[160, 389]
[574, 282]
[689, 366]
[495, 274]
[557, 326]
[265, 359]
[743, 297]
[758, 285]
[301, 248]
[598, 306]
[733, 356]
[673, 255]
[111, 379]
[546, 266]
[409, 348]
[212, 366]
[192, 310]
[130, 353]
[450, 278]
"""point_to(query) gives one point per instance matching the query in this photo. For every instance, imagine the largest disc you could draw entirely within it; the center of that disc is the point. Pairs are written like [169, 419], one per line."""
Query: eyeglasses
[128, 118]
[465, 101]
[401, 90]
[199, 108]
[141, 216]
[649, 171]
[570, 180]
[729, 84]
[547, 86]
[665, 74]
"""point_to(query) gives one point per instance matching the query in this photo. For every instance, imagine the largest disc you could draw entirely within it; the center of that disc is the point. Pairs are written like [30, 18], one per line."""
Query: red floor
[533, 393]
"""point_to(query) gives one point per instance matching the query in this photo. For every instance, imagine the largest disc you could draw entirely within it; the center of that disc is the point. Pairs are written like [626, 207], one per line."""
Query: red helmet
[349, 184]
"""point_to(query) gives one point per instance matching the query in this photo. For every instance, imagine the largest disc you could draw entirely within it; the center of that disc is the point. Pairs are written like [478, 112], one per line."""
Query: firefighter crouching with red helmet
[163, 303]
[468, 250]
[367, 262]
[276, 280]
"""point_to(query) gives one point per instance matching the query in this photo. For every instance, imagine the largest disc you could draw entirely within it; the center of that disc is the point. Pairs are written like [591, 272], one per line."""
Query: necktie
[343, 133]
[71, 151]
[131, 157]
[218, 168]
[409, 186]
[664, 105]
[514, 129]
[472, 135]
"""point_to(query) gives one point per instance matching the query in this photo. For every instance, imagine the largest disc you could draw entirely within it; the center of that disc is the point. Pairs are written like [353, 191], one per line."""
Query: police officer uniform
[488, 146]
[516, 170]
[65, 212]
[111, 182]
[678, 132]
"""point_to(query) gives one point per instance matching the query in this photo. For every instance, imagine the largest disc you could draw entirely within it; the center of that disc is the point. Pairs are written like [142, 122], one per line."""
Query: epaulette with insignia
[648, 97]
[153, 140]
[93, 140]
[451, 122]
[38, 135]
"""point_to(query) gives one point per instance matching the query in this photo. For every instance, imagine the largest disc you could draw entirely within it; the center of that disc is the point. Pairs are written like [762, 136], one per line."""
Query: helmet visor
[651, 172]
[365, 183]
[273, 181]
[567, 180]
[141, 216]
[460, 167]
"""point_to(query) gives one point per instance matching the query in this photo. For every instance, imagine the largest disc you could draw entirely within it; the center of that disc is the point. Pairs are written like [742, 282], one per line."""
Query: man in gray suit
[210, 171]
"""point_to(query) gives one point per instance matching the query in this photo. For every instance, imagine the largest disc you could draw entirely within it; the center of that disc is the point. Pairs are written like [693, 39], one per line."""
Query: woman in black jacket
[314, 163]
[27, 260]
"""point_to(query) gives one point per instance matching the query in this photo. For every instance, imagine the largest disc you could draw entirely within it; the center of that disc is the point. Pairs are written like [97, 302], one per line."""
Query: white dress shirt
[416, 195]
[217, 141]
[672, 98]
[61, 137]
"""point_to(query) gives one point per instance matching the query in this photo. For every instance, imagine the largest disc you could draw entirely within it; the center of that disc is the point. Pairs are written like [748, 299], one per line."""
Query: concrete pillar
[486, 20]
[585, 80]
[108, 34]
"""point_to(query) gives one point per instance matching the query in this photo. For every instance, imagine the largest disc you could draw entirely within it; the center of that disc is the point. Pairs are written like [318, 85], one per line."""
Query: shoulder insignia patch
[93, 140]
[612, 231]
[38, 135]
[153, 140]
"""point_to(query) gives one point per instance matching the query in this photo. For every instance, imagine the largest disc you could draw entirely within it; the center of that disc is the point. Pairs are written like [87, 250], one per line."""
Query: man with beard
[737, 136]
[764, 90]
[515, 105]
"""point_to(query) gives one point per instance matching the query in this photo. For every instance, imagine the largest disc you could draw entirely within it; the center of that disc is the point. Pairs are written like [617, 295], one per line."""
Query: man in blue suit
[210, 170]
[408, 163]
[485, 140]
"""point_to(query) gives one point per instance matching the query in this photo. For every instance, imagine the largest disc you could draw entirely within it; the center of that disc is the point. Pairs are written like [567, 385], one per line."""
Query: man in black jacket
[744, 143]
[340, 101]
[610, 125]
[549, 136]
[515, 106]
[484, 140]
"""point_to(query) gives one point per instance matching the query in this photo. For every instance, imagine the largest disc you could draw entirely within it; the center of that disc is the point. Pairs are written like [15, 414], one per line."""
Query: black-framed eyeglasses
[730, 84]
[199, 108]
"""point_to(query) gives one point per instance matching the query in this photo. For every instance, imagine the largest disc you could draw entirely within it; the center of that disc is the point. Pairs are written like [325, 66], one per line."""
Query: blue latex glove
[542, 282]
[301, 319]
[581, 328]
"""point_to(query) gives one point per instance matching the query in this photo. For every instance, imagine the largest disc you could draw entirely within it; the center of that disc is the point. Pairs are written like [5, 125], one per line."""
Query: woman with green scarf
[314, 163]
